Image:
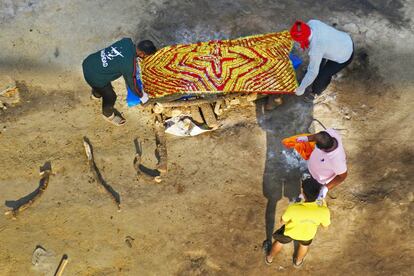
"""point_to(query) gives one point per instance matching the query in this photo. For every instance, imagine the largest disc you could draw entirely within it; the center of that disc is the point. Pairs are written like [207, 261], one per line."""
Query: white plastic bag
[183, 126]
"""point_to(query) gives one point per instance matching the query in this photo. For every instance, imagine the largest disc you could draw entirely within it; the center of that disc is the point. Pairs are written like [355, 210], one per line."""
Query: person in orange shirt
[300, 223]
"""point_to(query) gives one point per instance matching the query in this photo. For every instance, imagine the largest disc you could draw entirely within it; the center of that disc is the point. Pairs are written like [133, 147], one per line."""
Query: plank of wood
[209, 116]
[161, 143]
[98, 176]
[143, 171]
[27, 201]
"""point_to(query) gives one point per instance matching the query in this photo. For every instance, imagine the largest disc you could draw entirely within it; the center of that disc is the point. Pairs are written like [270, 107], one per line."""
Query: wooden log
[160, 106]
[220, 102]
[198, 101]
[161, 144]
[251, 97]
[209, 116]
[7, 84]
[27, 201]
[167, 113]
[254, 96]
[158, 109]
[175, 112]
[142, 171]
[278, 101]
[196, 115]
[98, 176]
[218, 110]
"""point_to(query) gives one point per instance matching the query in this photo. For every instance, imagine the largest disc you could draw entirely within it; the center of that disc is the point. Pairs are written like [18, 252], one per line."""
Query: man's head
[300, 33]
[310, 189]
[145, 48]
[324, 141]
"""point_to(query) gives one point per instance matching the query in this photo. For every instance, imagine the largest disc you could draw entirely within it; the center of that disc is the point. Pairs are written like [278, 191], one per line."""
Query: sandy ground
[207, 217]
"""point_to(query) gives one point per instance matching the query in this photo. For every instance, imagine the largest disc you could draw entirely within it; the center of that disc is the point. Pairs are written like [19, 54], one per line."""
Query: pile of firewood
[204, 110]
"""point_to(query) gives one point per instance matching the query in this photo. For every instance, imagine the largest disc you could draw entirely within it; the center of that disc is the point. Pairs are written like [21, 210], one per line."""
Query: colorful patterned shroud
[254, 64]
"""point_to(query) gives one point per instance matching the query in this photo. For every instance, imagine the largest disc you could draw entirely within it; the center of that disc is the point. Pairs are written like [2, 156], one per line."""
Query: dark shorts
[280, 237]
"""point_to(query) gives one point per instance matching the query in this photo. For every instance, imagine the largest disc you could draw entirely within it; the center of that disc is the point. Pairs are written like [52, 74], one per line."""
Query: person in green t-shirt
[106, 65]
[300, 222]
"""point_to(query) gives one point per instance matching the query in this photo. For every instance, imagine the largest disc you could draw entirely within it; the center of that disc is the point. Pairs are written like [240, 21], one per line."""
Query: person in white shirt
[330, 51]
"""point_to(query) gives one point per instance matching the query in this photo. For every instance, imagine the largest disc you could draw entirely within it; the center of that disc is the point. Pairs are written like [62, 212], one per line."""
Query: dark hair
[299, 26]
[311, 189]
[147, 47]
[324, 140]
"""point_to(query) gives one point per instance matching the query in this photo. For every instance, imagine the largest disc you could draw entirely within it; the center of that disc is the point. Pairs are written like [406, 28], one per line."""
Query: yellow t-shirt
[303, 218]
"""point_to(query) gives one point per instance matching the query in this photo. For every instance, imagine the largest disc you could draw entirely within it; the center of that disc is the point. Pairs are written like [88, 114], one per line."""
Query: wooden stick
[196, 115]
[161, 142]
[218, 110]
[186, 103]
[98, 176]
[62, 265]
[195, 102]
[142, 171]
[168, 98]
[27, 201]
[210, 99]
[209, 116]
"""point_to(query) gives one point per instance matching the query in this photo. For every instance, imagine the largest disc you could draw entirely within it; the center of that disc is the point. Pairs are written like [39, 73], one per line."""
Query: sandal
[95, 95]
[267, 260]
[116, 119]
[296, 265]
[310, 98]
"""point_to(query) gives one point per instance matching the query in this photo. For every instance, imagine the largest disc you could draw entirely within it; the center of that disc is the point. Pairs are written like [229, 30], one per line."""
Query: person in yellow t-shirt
[300, 223]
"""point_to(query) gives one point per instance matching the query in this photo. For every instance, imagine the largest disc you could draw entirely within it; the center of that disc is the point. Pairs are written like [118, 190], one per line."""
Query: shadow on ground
[283, 169]
[30, 198]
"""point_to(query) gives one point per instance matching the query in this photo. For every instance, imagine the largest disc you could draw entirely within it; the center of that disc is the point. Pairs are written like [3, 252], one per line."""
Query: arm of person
[325, 219]
[129, 76]
[283, 221]
[286, 217]
[337, 180]
[311, 74]
[312, 137]
[308, 138]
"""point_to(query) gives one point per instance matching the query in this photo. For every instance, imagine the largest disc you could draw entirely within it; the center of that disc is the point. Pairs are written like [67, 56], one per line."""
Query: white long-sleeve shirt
[326, 42]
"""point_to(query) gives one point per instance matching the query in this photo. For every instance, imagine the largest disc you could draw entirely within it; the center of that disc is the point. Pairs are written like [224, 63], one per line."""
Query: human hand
[323, 192]
[144, 97]
[302, 139]
[299, 91]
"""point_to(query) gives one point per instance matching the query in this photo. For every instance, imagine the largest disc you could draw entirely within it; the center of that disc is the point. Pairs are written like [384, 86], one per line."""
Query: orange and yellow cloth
[303, 148]
[254, 64]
